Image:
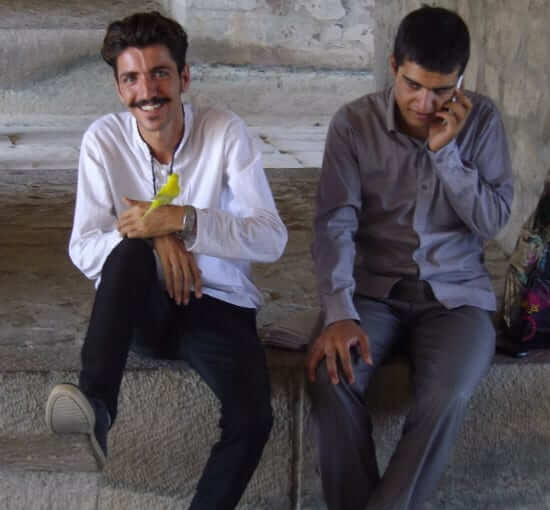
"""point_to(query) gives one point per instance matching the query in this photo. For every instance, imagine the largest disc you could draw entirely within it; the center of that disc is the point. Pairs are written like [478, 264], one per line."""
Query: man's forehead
[145, 58]
[426, 77]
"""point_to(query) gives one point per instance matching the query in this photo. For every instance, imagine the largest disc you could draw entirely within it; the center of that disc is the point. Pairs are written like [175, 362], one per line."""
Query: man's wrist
[188, 230]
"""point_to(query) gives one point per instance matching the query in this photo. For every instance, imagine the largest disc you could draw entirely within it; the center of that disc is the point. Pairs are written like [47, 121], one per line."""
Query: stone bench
[168, 417]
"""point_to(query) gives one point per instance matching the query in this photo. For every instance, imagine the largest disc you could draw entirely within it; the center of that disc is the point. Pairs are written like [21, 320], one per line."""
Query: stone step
[49, 491]
[168, 417]
[251, 32]
[86, 88]
[167, 423]
[502, 444]
[53, 143]
[68, 14]
[50, 453]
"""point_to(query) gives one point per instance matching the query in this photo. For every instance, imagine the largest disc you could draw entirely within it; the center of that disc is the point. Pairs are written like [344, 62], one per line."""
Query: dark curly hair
[144, 29]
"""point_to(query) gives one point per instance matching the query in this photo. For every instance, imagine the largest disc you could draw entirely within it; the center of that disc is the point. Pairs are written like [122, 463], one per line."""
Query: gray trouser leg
[347, 456]
[450, 352]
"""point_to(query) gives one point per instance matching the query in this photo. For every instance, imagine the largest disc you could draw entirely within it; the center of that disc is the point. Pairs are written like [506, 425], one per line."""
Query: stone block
[503, 37]
[302, 34]
[47, 491]
[28, 56]
[111, 498]
[522, 96]
[502, 444]
[88, 90]
[168, 423]
[69, 14]
[48, 453]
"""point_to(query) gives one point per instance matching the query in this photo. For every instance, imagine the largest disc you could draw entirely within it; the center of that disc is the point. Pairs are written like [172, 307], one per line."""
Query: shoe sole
[68, 411]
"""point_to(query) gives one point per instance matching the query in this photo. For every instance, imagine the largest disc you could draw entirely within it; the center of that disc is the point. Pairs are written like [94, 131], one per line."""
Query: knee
[456, 393]
[253, 422]
[130, 256]
[322, 388]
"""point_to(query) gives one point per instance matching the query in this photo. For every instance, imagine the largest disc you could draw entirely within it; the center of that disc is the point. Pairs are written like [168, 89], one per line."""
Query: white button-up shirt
[220, 174]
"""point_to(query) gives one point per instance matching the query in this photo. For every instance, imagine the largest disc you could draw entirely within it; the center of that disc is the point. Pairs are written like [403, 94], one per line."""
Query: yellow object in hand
[166, 194]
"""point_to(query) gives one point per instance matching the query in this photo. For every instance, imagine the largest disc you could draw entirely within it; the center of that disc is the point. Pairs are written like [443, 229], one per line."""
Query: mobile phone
[458, 85]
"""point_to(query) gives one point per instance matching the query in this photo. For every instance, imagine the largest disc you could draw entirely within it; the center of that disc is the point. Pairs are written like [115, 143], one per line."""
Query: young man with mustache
[414, 179]
[173, 283]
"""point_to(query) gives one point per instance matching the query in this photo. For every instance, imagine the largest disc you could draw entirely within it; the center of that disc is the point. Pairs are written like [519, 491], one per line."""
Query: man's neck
[164, 143]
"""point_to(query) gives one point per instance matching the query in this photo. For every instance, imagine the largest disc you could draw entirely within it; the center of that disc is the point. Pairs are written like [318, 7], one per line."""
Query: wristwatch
[189, 224]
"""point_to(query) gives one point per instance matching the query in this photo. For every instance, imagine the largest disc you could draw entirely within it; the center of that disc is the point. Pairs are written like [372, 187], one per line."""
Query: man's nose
[426, 100]
[148, 87]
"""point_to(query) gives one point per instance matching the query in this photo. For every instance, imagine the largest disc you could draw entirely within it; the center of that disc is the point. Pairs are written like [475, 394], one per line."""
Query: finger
[345, 360]
[196, 272]
[332, 366]
[458, 110]
[127, 202]
[313, 360]
[178, 280]
[447, 118]
[364, 349]
[167, 276]
[186, 279]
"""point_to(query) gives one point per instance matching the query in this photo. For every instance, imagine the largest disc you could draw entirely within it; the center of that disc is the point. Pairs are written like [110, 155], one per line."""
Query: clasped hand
[179, 266]
[163, 220]
[334, 343]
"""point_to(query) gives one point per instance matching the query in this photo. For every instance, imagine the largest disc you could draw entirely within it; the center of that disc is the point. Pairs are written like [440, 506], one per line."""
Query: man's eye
[127, 80]
[160, 73]
[413, 86]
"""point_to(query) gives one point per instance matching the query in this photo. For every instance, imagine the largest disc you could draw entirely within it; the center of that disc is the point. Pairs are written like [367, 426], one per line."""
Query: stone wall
[510, 48]
[285, 61]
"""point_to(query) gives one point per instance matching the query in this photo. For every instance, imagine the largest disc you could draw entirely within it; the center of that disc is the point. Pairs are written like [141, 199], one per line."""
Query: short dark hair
[144, 29]
[434, 38]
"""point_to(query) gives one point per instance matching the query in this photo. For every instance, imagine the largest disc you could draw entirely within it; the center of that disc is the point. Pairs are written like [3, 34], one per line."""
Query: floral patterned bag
[526, 311]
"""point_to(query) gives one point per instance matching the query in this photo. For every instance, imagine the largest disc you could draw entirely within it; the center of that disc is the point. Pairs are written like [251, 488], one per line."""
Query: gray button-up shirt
[389, 208]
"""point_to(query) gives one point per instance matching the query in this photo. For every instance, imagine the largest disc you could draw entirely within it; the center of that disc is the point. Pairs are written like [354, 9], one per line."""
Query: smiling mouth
[150, 107]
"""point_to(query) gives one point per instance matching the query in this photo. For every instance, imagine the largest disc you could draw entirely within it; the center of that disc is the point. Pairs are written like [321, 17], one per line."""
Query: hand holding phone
[458, 86]
[450, 119]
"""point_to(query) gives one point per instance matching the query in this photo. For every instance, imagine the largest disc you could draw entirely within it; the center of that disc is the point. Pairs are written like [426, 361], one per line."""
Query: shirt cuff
[338, 307]
[448, 157]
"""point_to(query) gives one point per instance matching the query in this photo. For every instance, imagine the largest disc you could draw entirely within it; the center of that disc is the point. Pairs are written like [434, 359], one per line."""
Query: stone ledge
[171, 403]
[68, 453]
[53, 143]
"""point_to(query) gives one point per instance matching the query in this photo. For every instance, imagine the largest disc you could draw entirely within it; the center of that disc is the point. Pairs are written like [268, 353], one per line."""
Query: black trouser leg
[222, 345]
[128, 275]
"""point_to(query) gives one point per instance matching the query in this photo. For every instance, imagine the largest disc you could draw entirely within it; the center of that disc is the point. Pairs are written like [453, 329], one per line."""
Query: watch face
[189, 219]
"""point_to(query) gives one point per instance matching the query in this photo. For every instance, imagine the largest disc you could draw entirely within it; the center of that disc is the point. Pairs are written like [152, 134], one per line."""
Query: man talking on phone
[414, 179]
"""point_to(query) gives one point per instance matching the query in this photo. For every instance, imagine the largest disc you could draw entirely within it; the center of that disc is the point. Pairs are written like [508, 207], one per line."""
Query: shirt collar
[390, 110]
[390, 119]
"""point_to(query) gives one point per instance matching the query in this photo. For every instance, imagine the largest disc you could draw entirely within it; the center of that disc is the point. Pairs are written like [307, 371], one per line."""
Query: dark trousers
[450, 351]
[217, 339]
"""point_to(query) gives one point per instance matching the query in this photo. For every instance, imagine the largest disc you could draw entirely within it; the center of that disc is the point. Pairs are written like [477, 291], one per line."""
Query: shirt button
[425, 187]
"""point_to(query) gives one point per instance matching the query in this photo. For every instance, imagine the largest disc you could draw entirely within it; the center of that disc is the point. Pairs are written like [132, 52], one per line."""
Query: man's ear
[393, 65]
[185, 79]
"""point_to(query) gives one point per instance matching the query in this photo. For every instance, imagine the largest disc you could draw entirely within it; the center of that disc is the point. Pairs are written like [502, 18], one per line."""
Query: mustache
[150, 102]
